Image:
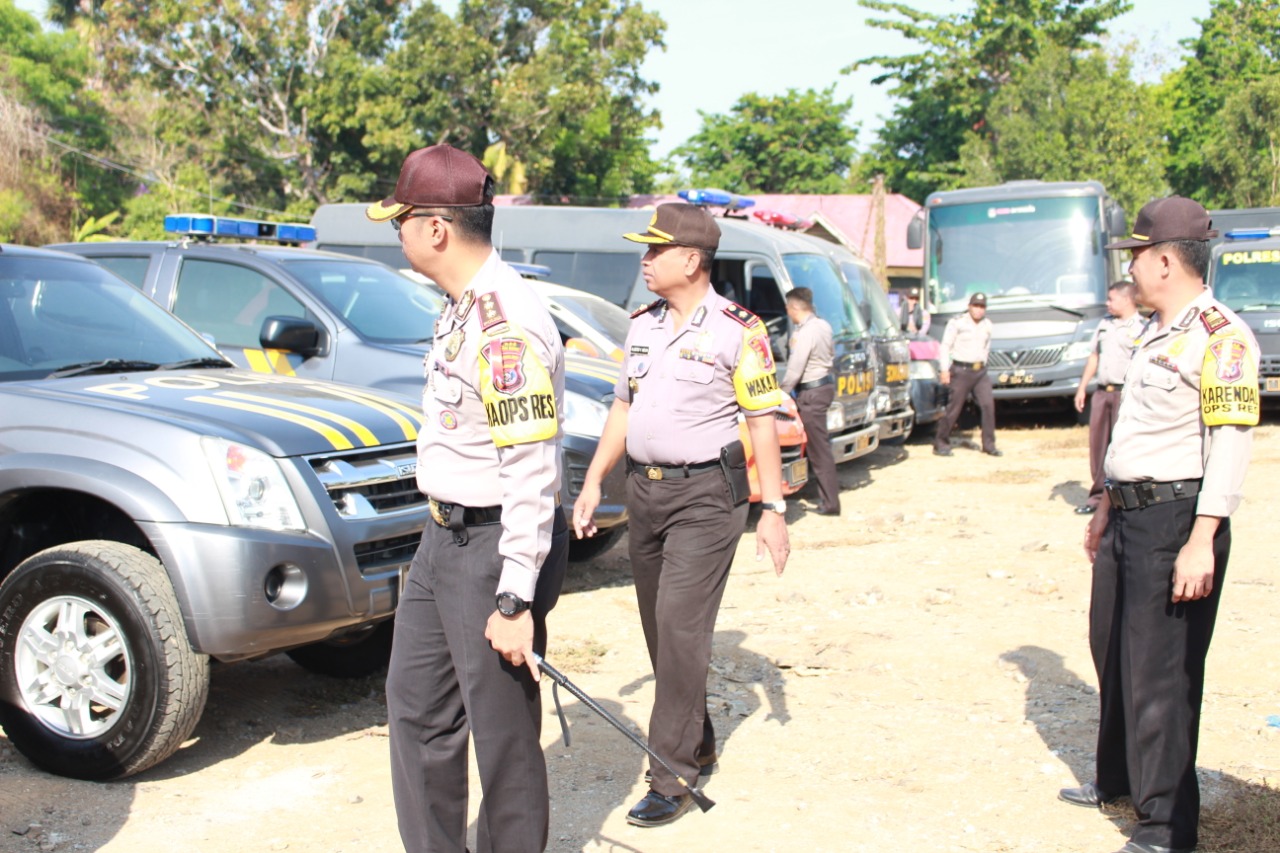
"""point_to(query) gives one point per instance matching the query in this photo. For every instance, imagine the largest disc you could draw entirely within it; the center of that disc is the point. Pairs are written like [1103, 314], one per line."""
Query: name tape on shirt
[754, 382]
[517, 393]
[1229, 380]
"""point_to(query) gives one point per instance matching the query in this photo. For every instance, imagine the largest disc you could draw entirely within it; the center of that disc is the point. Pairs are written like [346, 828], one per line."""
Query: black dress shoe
[993, 452]
[658, 809]
[942, 451]
[708, 765]
[821, 511]
[1088, 794]
[1143, 847]
[1086, 509]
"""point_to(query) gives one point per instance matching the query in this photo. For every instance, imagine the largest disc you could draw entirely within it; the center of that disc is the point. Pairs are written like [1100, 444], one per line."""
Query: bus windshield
[1037, 249]
[831, 300]
[1247, 280]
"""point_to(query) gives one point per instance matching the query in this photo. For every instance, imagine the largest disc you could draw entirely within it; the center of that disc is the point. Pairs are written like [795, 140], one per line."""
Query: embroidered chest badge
[454, 344]
[1165, 362]
[698, 356]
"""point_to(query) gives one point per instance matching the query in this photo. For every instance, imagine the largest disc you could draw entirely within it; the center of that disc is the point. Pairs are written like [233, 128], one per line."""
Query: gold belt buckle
[653, 472]
[439, 519]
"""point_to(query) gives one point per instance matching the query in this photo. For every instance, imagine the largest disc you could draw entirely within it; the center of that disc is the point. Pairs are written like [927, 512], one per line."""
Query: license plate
[864, 441]
[1016, 377]
[1273, 383]
[796, 472]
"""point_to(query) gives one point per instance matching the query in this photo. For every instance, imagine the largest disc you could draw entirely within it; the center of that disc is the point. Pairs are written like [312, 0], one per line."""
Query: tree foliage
[795, 143]
[1237, 50]
[946, 87]
[1242, 164]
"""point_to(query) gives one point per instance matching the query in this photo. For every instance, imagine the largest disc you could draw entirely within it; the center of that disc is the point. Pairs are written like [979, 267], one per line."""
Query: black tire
[581, 550]
[353, 655]
[111, 596]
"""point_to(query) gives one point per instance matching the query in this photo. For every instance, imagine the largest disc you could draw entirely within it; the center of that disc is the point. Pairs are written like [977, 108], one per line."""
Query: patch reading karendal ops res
[1228, 378]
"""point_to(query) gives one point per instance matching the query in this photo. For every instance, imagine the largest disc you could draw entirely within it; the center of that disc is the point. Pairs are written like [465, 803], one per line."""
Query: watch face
[509, 604]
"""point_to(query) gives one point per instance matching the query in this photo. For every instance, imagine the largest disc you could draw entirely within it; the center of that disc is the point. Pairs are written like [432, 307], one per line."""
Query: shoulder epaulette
[645, 308]
[1213, 319]
[742, 315]
[491, 311]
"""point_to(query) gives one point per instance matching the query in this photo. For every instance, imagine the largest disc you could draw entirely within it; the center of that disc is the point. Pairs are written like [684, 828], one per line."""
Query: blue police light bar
[204, 225]
[716, 198]
[1251, 233]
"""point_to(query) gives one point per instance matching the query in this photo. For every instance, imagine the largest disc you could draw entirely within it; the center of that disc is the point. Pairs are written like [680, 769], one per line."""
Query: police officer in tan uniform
[966, 343]
[810, 357]
[490, 566]
[1110, 351]
[693, 362]
[1175, 473]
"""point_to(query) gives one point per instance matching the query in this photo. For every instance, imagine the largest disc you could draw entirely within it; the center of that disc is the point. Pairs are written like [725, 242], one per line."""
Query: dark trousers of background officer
[965, 379]
[813, 404]
[1150, 654]
[1104, 408]
[683, 535]
[446, 682]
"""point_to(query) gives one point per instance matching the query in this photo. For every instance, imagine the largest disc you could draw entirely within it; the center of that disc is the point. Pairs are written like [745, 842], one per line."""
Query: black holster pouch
[733, 461]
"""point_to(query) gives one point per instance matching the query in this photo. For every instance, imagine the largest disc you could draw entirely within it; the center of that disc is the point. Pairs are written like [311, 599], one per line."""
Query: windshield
[56, 313]
[605, 317]
[1046, 248]
[379, 303]
[1248, 280]
[832, 301]
[871, 298]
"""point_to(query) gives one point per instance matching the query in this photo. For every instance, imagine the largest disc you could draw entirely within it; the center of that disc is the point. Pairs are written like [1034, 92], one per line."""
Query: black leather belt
[671, 472]
[1146, 493]
[1110, 387]
[970, 365]
[472, 516]
[817, 383]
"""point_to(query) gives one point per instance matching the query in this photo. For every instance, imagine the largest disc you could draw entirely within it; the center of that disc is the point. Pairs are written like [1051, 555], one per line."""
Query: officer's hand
[1081, 394]
[1093, 531]
[584, 509]
[771, 533]
[512, 637]
[1193, 571]
[945, 377]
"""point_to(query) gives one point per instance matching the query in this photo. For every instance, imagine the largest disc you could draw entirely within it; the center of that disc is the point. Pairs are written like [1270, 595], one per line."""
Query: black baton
[704, 802]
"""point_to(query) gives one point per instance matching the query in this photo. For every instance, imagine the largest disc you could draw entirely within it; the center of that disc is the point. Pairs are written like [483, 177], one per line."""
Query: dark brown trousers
[964, 379]
[813, 404]
[1104, 408]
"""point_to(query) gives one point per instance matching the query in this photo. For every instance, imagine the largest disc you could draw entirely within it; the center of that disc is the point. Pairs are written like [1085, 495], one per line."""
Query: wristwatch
[780, 507]
[510, 604]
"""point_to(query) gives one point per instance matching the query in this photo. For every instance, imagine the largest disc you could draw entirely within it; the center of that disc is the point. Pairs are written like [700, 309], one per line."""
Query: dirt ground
[919, 679]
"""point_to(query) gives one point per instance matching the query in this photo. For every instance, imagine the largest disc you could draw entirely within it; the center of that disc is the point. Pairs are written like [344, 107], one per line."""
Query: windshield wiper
[108, 365]
[1261, 306]
[197, 362]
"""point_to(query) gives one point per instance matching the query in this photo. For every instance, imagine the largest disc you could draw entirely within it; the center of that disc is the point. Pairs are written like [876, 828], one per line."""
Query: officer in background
[966, 343]
[1175, 473]
[489, 568]
[692, 361]
[912, 318]
[1110, 351]
[811, 353]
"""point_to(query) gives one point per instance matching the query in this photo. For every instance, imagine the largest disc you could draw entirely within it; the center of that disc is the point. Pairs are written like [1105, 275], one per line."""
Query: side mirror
[915, 231]
[1116, 224]
[291, 334]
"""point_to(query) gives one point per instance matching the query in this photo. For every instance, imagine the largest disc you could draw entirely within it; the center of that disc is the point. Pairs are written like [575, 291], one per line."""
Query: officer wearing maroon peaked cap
[1175, 473]
[693, 361]
[491, 563]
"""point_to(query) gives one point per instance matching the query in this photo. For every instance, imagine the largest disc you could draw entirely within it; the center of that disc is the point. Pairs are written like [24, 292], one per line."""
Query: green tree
[794, 143]
[945, 88]
[1071, 116]
[1238, 46]
[1242, 162]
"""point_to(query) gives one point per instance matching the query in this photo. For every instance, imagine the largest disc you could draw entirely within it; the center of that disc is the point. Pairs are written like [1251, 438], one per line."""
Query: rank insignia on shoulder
[742, 315]
[643, 309]
[1213, 319]
[491, 312]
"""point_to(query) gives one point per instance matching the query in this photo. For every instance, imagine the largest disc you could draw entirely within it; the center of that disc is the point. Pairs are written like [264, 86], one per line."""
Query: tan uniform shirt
[1113, 342]
[1189, 402]
[493, 406]
[687, 386]
[965, 341]
[811, 353]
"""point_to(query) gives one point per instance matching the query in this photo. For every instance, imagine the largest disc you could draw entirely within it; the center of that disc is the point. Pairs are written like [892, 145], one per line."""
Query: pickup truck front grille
[371, 483]
[382, 554]
[1001, 359]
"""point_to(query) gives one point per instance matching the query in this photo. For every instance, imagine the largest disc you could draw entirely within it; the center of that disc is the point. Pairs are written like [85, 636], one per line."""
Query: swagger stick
[704, 802]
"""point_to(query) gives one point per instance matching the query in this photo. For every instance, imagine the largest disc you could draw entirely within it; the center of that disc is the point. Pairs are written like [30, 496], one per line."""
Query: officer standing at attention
[1110, 351]
[490, 567]
[811, 354]
[693, 360]
[966, 343]
[1175, 473]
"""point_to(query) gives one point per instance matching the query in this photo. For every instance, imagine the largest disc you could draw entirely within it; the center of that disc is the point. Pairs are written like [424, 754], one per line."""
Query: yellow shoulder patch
[1229, 380]
[755, 382]
[516, 390]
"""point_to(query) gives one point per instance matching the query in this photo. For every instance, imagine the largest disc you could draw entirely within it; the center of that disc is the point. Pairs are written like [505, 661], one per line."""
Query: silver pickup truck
[160, 508]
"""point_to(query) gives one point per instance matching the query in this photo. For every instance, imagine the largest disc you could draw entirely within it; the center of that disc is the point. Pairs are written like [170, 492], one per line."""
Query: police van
[755, 266]
[1244, 274]
[288, 311]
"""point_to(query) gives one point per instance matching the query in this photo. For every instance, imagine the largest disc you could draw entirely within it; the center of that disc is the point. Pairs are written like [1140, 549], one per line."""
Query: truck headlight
[921, 369]
[253, 488]
[1077, 351]
[584, 416]
[835, 418]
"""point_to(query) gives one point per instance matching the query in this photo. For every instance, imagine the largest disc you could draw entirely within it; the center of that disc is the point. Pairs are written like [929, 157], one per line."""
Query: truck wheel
[581, 550]
[353, 655]
[97, 678]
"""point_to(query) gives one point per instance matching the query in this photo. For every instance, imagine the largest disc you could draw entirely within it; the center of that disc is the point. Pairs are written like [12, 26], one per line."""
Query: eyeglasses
[395, 223]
